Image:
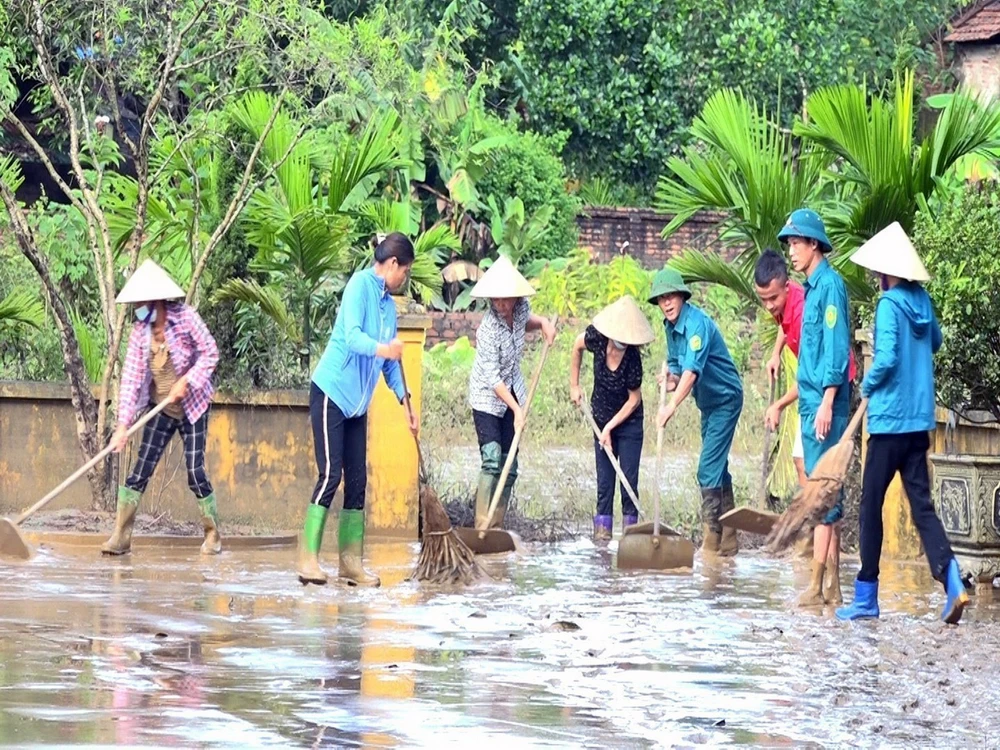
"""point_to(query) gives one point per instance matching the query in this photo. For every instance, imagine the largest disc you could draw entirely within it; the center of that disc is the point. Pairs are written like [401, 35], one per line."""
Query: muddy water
[165, 649]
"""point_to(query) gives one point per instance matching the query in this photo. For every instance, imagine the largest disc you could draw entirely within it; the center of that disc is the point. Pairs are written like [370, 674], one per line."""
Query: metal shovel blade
[495, 541]
[12, 543]
[637, 550]
[748, 519]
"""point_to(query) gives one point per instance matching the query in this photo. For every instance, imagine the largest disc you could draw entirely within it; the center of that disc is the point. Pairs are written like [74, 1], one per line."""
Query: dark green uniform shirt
[695, 343]
[824, 353]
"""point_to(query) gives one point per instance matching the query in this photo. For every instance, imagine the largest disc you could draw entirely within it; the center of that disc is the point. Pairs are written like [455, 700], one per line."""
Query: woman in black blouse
[614, 337]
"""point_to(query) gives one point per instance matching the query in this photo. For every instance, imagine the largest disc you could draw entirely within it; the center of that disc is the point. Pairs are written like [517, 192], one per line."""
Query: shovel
[12, 543]
[757, 520]
[651, 545]
[484, 540]
[614, 462]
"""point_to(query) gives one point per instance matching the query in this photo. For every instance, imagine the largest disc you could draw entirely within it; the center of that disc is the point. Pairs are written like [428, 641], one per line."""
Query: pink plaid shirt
[193, 353]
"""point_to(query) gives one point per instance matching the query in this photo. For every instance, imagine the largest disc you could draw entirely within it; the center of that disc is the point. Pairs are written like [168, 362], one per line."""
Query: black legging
[341, 446]
[907, 454]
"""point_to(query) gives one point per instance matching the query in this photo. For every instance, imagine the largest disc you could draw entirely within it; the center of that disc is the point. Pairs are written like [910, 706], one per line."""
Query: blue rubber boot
[865, 602]
[957, 598]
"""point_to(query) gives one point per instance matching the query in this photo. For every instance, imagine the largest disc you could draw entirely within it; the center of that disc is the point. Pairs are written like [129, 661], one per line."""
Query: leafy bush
[961, 248]
[529, 168]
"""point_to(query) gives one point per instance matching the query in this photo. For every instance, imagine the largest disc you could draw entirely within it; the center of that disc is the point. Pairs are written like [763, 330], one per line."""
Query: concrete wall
[259, 455]
[979, 67]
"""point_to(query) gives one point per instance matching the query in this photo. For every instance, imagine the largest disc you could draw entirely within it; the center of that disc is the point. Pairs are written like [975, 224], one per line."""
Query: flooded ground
[166, 649]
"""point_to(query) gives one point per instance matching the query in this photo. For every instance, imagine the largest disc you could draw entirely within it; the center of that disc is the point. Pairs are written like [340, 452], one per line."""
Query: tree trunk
[81, 393]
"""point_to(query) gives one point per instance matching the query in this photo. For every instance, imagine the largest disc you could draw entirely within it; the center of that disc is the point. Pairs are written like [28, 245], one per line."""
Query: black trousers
[907, 454]
[626, 444]
[341, 447]
[155, 438]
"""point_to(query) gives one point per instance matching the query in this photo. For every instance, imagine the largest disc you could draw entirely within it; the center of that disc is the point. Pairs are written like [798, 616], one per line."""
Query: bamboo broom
[444, 558]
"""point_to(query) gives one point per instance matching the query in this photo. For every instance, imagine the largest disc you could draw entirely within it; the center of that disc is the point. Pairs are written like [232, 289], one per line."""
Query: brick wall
[980, 68]
[448, 327]
[603, 231]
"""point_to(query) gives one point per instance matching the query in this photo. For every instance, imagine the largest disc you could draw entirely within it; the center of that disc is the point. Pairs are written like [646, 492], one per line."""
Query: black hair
[770, 266]
[396, 246]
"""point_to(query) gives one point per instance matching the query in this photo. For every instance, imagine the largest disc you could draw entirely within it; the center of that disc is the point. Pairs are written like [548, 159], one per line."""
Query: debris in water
[478, 614]
[565, 625]
[720, 723]
[160, 635]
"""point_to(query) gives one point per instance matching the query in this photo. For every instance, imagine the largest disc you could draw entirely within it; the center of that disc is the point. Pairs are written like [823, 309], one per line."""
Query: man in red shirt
[784, 299]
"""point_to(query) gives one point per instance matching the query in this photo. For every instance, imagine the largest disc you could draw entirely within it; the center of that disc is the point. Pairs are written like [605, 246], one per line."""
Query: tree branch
[244, 193]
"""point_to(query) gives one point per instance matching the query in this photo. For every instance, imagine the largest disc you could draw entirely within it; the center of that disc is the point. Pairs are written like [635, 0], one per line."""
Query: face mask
[145, 315]
[883, 282]
[618, 345]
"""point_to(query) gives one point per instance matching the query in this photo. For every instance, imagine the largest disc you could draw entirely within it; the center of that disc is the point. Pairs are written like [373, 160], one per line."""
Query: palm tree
[304, 225]
[855, 160]
[24, 308]
[879, 172]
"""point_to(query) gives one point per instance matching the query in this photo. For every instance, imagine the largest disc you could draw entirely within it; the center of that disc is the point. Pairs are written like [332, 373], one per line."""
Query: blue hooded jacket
[900, 383]
[348, 371]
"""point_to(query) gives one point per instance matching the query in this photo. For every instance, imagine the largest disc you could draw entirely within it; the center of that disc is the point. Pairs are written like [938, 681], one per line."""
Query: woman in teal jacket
[363, 346]
[900, 392]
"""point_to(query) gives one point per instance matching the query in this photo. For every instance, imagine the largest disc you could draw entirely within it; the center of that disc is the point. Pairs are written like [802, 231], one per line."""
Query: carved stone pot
[966, 495]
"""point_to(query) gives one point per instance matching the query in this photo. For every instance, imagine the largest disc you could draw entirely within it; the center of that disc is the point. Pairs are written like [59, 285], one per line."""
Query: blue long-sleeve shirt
[349, 369]
[900, 383]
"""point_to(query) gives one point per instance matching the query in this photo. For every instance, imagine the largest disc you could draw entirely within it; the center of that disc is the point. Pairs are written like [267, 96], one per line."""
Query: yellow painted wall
[259, 454]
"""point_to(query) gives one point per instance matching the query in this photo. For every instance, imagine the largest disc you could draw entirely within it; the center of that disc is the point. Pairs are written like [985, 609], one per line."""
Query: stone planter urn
[966, 490]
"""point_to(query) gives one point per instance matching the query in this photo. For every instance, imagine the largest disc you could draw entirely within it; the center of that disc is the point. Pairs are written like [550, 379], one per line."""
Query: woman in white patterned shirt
[496, 386]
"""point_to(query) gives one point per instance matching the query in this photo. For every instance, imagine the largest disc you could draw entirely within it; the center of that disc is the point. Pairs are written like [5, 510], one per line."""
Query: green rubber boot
[489, 473]
[312, 537]
[120, 542]
[352, 545]
[210, 521]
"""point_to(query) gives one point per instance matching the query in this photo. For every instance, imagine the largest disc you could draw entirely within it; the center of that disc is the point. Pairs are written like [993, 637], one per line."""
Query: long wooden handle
[90, 464]
[855, 423]
[585, 407]
[409, 413]
[762, 497]
[512, 452]
[659, 460]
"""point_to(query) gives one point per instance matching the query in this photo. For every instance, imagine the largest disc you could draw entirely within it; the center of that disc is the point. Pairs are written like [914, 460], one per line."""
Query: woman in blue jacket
[899, 387]
[362, 347]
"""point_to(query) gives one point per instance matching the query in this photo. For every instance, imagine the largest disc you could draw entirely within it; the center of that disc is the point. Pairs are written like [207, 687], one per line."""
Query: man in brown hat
[496, 385]
[614, 339]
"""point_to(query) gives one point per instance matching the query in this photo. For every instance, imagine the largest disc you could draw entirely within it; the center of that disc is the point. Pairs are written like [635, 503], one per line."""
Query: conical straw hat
[149, 283]
[891, 252]
[502, 281]
[624, 322]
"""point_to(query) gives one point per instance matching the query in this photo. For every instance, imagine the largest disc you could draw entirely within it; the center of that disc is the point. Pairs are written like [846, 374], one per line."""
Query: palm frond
[24, 308]
[91, 347]
[10, 172]
[696, 266]
[363, 159]
[266, 298]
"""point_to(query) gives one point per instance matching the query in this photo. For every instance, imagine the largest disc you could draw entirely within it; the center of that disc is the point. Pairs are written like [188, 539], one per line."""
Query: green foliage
[579, 288]
[530, 169]
[626, 77]
[960, 248]
[22, 307]
[516, 235]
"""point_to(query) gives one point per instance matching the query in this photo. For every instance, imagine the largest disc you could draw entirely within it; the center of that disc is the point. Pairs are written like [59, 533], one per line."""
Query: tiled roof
[979, 24]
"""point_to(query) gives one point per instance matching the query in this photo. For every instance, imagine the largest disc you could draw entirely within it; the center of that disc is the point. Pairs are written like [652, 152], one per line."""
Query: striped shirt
[499, 349]
[193, 353]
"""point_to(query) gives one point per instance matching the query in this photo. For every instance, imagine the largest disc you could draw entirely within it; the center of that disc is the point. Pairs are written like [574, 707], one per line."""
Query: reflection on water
[167, 649]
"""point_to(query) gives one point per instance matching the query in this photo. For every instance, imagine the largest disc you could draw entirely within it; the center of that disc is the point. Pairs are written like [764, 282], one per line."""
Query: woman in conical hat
[899, 387]
[614, 339]
[171, 356]
[496, 386]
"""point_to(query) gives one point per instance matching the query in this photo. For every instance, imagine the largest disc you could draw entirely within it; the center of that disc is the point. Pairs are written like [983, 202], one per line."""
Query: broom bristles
[820, 494]
[444, 558]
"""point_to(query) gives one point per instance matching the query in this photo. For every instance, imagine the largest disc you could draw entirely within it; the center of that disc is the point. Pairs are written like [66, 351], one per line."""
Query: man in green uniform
[824, 385]
[698, 361]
